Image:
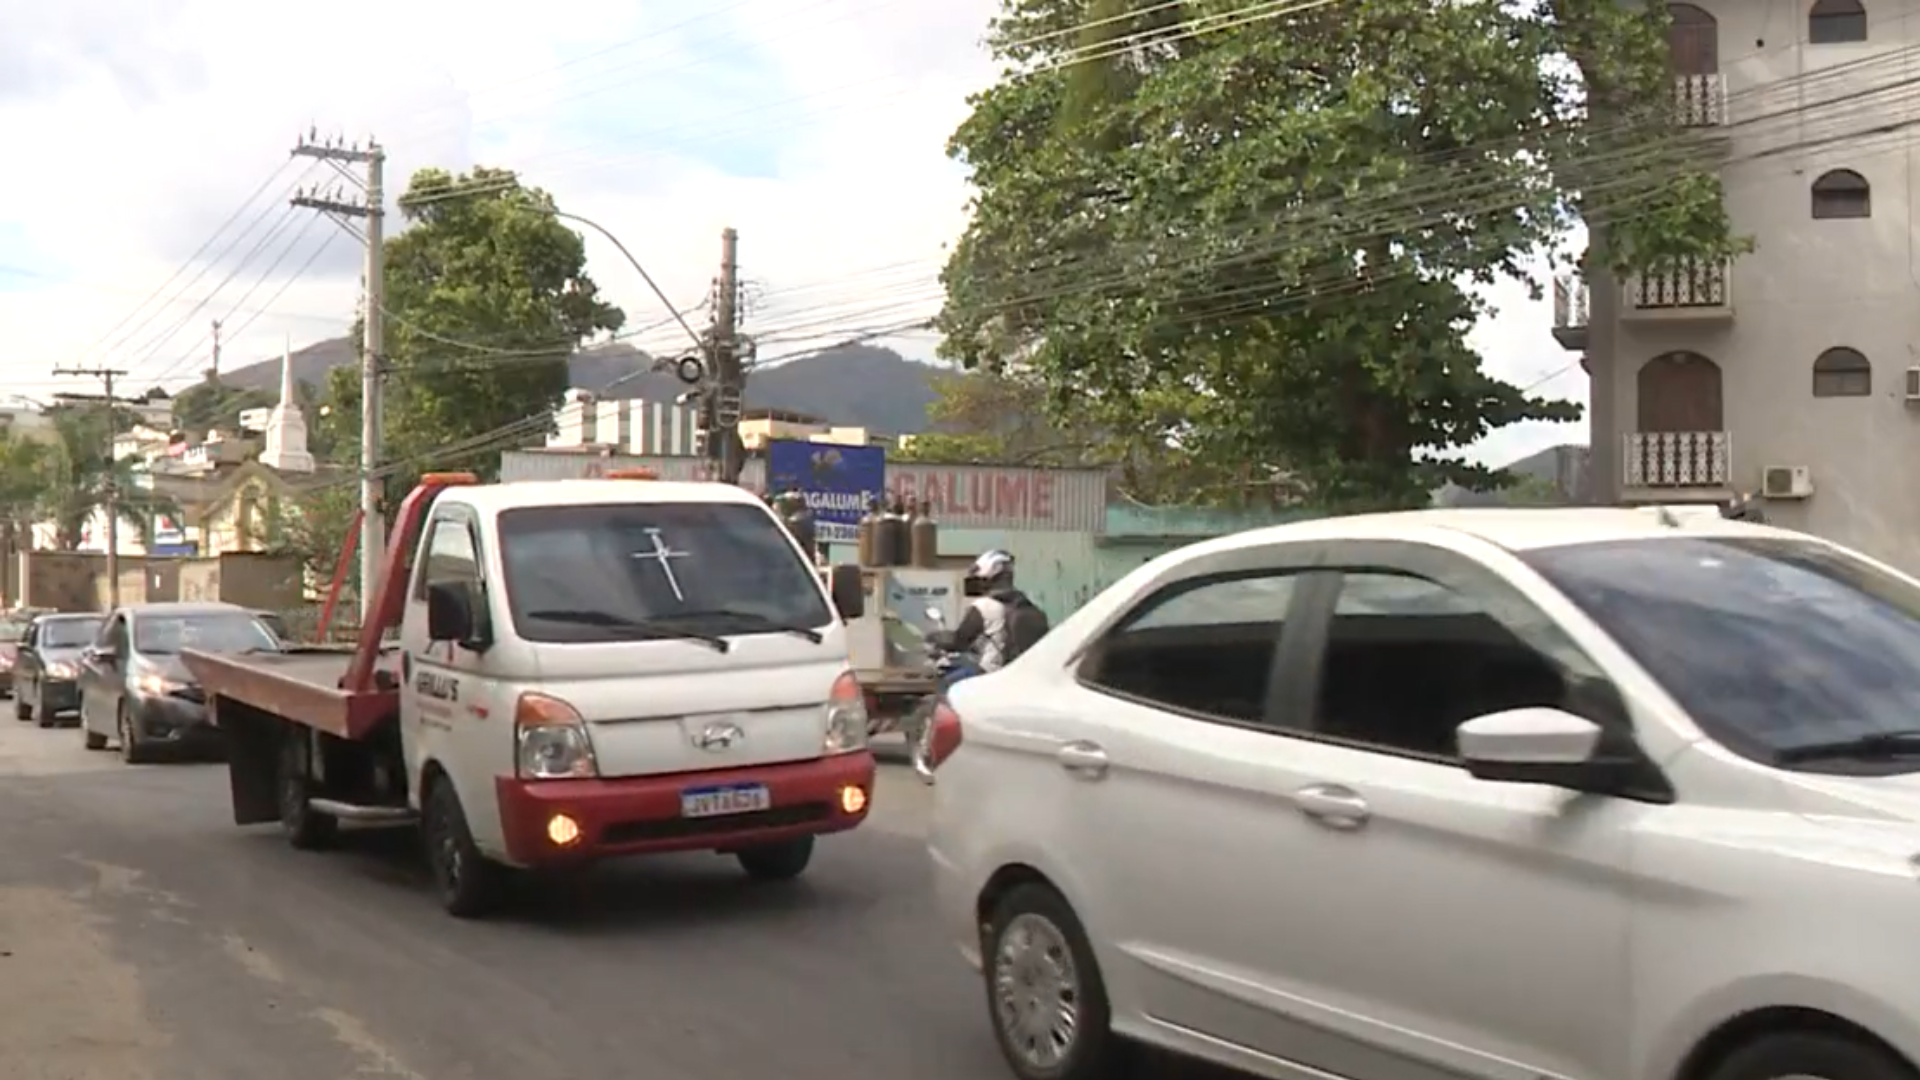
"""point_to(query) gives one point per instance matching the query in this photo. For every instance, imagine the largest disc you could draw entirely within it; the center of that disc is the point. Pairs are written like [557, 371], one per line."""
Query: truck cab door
[450, 712]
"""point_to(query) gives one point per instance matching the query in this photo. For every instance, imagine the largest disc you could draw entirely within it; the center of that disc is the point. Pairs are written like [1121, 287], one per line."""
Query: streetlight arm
[698, 341]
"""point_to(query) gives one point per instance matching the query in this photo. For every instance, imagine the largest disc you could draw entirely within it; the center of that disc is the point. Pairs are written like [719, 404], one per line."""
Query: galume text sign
[982, 496]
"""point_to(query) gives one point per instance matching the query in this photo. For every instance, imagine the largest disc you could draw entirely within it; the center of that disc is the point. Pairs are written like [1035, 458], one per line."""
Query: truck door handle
[1085, 760]
[1333, 805]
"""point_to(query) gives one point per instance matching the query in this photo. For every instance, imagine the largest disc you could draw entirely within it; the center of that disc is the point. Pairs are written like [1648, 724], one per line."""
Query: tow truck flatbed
[302, 684]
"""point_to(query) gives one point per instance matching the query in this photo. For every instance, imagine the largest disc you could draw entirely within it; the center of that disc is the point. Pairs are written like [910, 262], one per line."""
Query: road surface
[143, 937]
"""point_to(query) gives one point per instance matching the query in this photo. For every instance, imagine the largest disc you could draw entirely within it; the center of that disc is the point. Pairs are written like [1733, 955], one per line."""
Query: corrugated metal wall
[991, 496]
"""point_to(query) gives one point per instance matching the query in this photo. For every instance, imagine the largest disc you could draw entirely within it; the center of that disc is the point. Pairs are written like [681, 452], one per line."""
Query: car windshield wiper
[650, 628]
[1878, 746]
[754, 619]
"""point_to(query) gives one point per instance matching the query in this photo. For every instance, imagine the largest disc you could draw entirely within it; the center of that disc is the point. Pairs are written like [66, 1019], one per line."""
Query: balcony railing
[1570, 311]
[1700, 100]
[1689, 289]
[1676, 459]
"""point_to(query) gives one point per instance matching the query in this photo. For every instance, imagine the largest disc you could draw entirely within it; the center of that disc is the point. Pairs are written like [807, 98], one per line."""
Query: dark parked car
[46, 668]
[13, 627]
[276, 624]
[134, 688]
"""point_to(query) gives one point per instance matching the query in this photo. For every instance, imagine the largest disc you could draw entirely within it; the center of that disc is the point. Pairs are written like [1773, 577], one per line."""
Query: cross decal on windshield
[661, 553]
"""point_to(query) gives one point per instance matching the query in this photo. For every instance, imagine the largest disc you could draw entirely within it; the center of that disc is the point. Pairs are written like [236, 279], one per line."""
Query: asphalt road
[143, 936]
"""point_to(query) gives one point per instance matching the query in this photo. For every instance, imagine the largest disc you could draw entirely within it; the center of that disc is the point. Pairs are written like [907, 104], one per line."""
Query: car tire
[471, 886]
[132, 750]
[306, 829]
[42, 716]
[777, 862]
[1821, 1055]
[1061, 978]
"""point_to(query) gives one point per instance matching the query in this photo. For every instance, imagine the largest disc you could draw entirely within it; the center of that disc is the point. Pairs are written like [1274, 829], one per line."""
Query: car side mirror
[849, 590]
[1531, 746]
[451, 615]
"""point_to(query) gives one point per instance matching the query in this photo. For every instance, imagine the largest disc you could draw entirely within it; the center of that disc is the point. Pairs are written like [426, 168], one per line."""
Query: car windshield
[619, 571]
[68, 633]
[1771, 644]
[12, 630]
[161, 635]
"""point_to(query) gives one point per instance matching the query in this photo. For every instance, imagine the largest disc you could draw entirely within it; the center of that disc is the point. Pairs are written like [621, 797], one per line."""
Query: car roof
[492, 498]
[68, 616]
[1515, 529]
[184, 607]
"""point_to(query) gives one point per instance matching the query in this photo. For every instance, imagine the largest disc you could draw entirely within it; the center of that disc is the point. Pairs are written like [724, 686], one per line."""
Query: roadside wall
[77, 581]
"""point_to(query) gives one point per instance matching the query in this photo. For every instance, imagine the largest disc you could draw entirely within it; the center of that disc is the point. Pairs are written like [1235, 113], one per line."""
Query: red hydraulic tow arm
[390, 595]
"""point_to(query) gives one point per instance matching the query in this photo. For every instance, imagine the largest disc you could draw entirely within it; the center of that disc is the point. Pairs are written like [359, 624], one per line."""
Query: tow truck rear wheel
[776, 862]
[307, 829]
[471, 885]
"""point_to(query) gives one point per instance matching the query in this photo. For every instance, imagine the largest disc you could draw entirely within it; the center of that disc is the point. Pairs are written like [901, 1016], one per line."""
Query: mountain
[860, 385]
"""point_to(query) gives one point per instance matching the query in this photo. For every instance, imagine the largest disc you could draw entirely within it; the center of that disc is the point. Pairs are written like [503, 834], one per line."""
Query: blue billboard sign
[838, 482]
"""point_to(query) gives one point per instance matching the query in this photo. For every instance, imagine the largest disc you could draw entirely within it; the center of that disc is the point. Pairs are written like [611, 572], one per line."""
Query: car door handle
[1333, 805]
[1084, 760]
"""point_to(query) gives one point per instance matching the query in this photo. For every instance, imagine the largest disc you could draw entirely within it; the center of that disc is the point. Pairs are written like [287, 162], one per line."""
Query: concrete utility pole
[213, 373]
[729, 375]
[106, 375]
[372, 353]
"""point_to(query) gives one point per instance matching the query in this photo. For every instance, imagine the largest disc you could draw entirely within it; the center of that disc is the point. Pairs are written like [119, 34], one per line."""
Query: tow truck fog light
[563, 830]
[853, 799]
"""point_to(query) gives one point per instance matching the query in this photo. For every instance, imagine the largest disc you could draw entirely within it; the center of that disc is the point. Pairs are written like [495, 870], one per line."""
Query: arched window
[1836, 22]
[1842, 372]
[1693, 40]
[1842, 193]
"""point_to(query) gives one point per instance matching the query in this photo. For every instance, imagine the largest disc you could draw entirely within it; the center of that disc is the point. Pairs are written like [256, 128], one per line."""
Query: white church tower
[286, 449]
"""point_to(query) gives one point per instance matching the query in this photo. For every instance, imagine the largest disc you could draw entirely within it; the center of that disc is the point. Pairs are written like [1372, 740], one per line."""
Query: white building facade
[1793, 372]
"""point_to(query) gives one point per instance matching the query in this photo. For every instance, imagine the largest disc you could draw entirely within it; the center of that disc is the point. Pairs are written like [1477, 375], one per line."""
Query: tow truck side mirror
[451, 615]
[844, 582]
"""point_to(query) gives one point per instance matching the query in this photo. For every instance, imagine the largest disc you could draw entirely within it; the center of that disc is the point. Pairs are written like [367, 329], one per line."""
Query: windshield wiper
[752, 618]
[649, 628]
[1878, 746]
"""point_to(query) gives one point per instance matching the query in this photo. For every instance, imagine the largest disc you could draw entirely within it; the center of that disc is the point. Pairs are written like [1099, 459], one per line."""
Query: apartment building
[1794, 371]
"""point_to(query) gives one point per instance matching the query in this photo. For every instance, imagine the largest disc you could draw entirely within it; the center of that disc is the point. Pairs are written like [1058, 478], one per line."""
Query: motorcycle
[950, 666]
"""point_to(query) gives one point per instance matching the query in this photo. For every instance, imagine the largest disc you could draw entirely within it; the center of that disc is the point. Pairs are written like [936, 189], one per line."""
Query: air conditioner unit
[1786, 482]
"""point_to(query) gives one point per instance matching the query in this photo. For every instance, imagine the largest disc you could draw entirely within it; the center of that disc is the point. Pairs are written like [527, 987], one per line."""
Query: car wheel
[1810, 1055]
[307, 829]
[776, 862]
[42, 716]
[1045, 998]
[132, 750]
[470, 884]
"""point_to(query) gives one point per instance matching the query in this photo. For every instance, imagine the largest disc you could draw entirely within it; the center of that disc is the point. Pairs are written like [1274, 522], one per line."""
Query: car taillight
[944, 738]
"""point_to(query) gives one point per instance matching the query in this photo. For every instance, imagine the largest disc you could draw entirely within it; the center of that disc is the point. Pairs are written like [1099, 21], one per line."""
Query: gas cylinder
[865, 534]
[801, 524]
[897, 546]
[923, 537]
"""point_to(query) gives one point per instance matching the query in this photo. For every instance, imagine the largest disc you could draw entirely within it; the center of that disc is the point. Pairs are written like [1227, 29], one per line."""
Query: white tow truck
[585, 668]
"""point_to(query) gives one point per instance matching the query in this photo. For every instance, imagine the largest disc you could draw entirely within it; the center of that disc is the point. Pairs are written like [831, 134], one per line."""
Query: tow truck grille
[780, 817]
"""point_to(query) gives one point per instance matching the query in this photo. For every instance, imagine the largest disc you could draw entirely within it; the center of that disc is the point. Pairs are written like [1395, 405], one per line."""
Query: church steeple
[286, 449]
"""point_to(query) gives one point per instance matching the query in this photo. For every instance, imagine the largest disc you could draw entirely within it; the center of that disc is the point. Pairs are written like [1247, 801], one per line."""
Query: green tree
[212, 404]
[1256, 240]
[487, 297]
[313, 524]
[79, 471]
[992, 417]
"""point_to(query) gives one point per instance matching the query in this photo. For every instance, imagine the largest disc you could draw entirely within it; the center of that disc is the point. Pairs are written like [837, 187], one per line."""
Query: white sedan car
[1487, 794]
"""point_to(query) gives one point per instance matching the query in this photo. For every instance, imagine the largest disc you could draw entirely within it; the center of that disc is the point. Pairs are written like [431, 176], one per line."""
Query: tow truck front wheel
[776, 862]
[306, 828]
[470, 884]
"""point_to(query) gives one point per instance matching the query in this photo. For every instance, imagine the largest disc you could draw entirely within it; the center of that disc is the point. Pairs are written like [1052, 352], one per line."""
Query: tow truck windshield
[641, 571]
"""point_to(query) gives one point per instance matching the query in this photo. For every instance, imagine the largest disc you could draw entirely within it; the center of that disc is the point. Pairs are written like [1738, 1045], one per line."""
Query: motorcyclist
[1000, 621]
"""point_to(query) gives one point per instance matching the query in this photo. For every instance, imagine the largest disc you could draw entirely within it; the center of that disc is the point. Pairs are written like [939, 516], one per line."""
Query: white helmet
[991, 565]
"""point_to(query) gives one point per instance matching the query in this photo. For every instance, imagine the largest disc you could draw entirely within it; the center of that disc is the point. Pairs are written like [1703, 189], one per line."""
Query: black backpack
[1026, 624]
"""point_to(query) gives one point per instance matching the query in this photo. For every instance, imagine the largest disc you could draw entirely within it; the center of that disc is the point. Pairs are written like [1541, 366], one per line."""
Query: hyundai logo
[717, 737]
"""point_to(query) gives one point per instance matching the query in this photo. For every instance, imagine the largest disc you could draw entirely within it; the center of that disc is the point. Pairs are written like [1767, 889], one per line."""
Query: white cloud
[817, 129]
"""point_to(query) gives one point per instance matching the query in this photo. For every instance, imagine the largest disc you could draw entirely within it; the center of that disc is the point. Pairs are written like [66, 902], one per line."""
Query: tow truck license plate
[719, 801]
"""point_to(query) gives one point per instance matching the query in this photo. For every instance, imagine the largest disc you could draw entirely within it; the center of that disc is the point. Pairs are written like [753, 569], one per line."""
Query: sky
[817, 128]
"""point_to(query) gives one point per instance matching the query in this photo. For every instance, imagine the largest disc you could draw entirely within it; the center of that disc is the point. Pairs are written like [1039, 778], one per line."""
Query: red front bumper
[639, 814]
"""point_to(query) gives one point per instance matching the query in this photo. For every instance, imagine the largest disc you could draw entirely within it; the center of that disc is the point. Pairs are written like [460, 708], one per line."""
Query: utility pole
[213, 373]
[370, 212]
[728, 370]
[106, 375]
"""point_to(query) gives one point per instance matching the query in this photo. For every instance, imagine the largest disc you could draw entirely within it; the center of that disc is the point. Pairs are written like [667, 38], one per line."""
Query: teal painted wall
[1061, 570]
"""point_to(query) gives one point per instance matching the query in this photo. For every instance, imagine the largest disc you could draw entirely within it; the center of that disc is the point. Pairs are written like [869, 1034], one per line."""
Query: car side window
[1408, 660]
[451, 555]
[28, 639]
[1204, 646]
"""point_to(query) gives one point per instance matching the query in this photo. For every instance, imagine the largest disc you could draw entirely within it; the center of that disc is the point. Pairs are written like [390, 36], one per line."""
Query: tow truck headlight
[551, 740]
[846, 716]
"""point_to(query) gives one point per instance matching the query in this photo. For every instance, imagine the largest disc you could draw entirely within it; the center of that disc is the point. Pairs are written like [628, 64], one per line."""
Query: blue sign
[839, 482]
